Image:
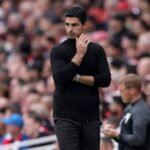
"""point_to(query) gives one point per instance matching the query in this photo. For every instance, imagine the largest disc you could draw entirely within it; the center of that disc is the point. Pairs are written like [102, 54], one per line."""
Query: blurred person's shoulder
[96, 47]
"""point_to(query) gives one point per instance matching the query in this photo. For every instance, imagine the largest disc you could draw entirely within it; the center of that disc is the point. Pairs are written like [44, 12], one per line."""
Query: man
[14, 125]
[79, 68]
[134, 133]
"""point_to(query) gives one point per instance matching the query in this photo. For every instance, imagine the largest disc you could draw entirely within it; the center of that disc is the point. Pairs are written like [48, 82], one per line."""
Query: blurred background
[28, 31]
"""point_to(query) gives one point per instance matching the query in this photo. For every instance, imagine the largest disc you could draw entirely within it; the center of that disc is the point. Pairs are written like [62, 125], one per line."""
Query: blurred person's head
[75, 19]
[130, 88]
[118, 69]
[144, 5]
[39, 109]
[32, 125]
[114, 50]
[45, 24]
[116, 106]
[143, 68]
[14, 124]
[34, 74]
[25, 8]
[139, 27]
[128, 40]
[47, 100]
[145, 17]
[30, 99]
[143, 43]
[40, 87]
[24, 74]
[111, 6]
[14, 21]
[13, 107]
[116, 23]
[7, 6]
[15, 93]
[30, 25]
[41, 8]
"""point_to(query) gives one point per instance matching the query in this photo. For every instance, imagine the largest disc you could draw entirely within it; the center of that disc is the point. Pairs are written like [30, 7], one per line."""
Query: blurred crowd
[28, 31]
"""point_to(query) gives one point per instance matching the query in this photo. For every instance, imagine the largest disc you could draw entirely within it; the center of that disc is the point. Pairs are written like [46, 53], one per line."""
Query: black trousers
[75, 135]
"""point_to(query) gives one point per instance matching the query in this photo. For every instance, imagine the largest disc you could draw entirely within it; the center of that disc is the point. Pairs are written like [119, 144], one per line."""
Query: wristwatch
[77, 77]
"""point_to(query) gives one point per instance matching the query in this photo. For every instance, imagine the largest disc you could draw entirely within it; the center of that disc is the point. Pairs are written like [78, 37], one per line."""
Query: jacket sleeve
[140, 124]
[63, 72]
[103, 78]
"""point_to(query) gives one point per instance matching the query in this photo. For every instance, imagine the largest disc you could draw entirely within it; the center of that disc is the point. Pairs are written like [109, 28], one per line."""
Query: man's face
[125, 93]
[74, 27]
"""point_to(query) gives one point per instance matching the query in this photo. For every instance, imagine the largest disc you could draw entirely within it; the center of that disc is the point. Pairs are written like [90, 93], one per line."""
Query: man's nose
[70, 28]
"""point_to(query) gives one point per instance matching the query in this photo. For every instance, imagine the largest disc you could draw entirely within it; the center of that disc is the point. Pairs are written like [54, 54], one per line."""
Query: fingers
[84, 39]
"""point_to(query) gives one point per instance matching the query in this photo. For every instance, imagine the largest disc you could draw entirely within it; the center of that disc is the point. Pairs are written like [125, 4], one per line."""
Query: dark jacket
[74, 100]
[135, 133]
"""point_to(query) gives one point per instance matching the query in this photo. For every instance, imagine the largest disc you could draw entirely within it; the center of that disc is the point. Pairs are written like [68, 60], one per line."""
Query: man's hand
[81, 44]
[110, 132]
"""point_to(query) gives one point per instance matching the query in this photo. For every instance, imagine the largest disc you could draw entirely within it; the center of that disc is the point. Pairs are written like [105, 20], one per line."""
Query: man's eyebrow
[70, 23]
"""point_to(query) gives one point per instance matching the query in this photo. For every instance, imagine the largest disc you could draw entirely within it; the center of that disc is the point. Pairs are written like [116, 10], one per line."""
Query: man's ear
[85, 26]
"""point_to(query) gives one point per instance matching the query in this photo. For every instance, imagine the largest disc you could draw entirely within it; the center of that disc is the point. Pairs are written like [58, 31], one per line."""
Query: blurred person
[15, 93]
[145, 17]
[42, 111]
[114, 50]
[111, 7]
[134, 132]
[82, 68]
[14, 21]
[143, 44]
[116, 27]
[29, 99]
[139, 27]
[29, 26]
[129, 40]
[145, 5]
[33, 127]
[7, 6]
[47, 100]
[25, 9]
[12, 108]
[14, 125]
[143, 67]
[129, 43]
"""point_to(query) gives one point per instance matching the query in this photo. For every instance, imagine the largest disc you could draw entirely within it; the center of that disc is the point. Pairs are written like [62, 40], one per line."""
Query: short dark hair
[78, 12]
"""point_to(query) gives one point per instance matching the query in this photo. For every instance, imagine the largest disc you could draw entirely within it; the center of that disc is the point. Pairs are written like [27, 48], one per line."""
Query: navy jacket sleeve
[103, 78]
[63, 73]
